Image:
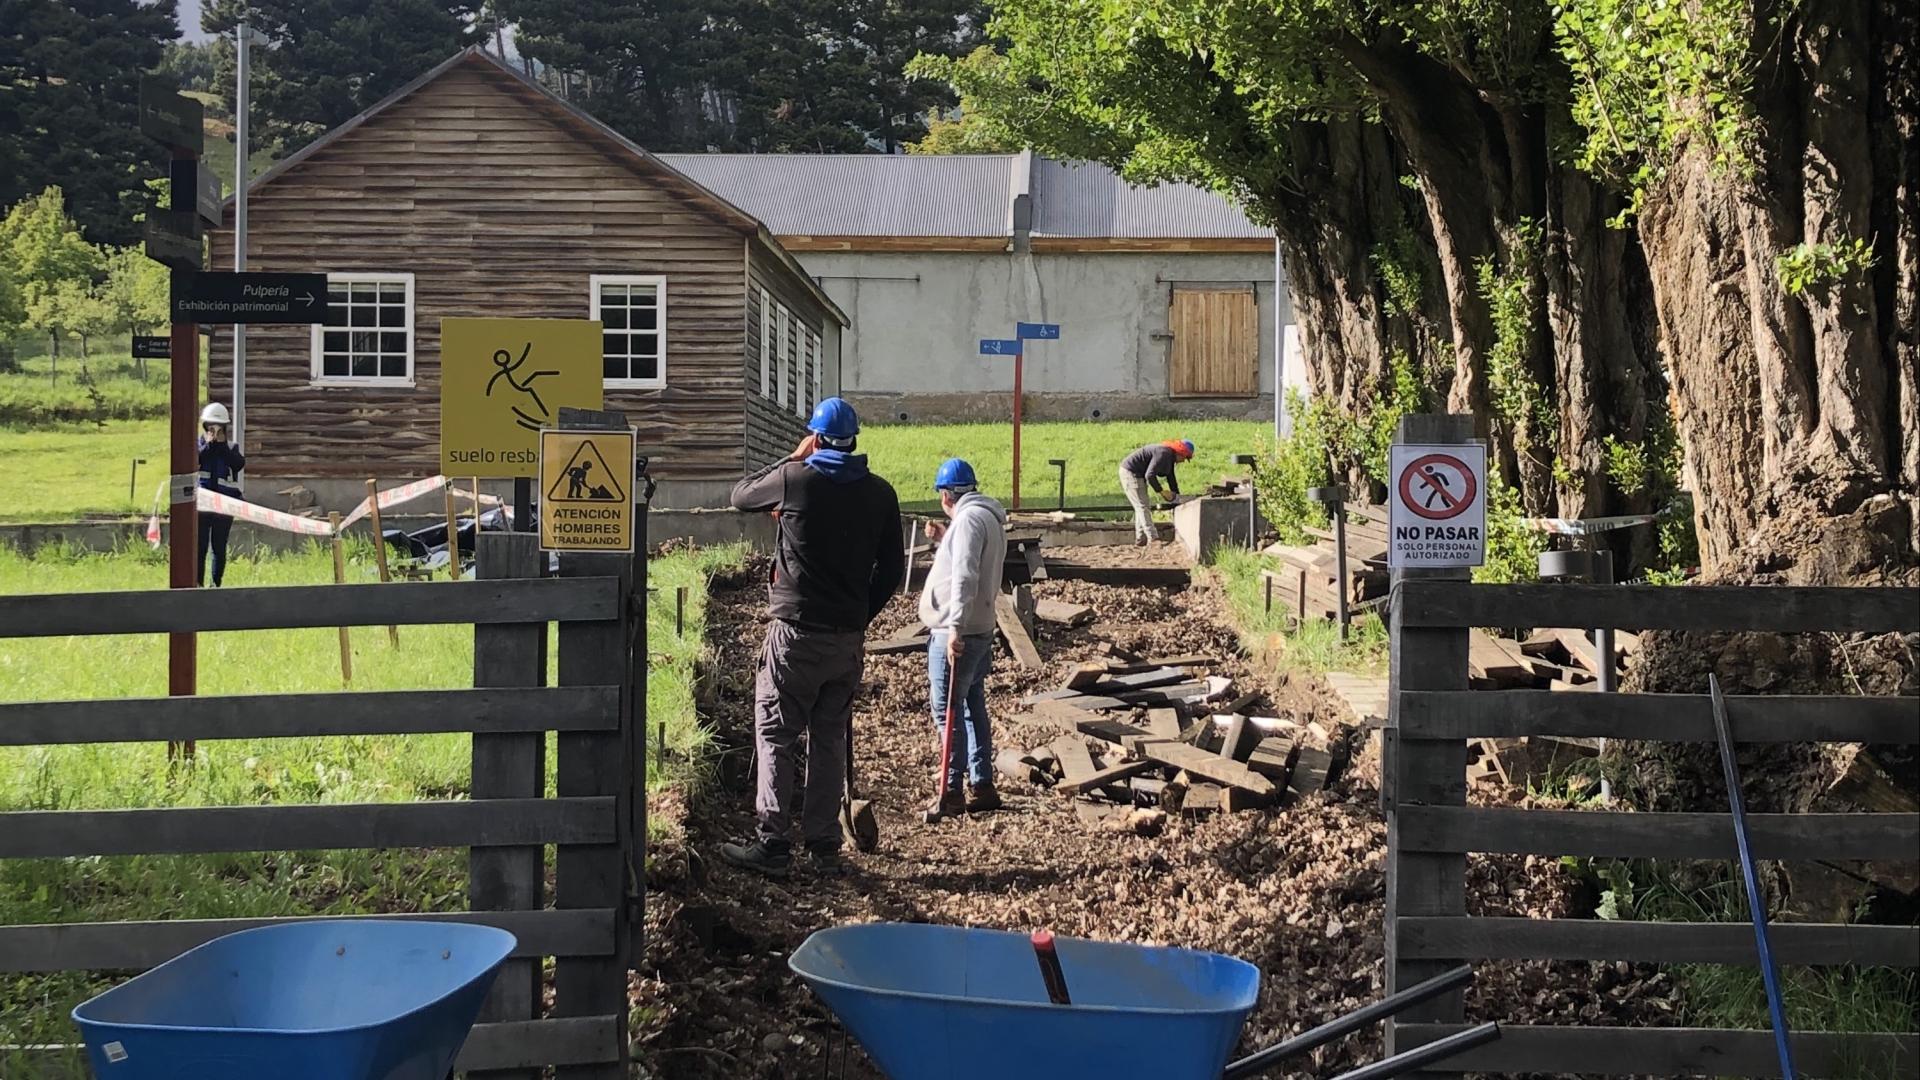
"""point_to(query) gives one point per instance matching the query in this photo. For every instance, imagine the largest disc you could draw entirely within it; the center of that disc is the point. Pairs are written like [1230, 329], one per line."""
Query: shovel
[857, 822]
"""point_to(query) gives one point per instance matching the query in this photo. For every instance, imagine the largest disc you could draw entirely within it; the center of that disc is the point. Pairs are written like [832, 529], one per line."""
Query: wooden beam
[1164, 723]
[529, 1044]
[1509, 714]
[1085, 675]
[1813, 944]
[1144, 680]
[1708, 608]
[37, 834]
[1076, 764]
[1011, 628]
[1063, 614]
[1240, 738]
[1199, 763]
[1630, 1051]
[161, 611]
[285, 716]
[1658, 836]
[1142, 577]
[1110, 775]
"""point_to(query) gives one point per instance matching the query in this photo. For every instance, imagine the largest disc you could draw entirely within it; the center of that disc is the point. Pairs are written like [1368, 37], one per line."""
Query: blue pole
[1768, 971]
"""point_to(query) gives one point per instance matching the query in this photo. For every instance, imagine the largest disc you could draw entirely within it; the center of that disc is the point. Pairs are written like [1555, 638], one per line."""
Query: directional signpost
[150, 347]
[173, 239]
[188, 175]
[249, 298]
[1016, 348]
[172, 119]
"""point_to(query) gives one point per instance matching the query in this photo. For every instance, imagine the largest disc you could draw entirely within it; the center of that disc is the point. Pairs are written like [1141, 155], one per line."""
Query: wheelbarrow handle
[1421, 1056]
[1341, 1026]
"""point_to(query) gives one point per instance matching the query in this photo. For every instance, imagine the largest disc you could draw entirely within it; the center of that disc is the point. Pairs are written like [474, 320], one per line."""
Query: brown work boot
[985, 799]
[1139, 541]
[952, 804]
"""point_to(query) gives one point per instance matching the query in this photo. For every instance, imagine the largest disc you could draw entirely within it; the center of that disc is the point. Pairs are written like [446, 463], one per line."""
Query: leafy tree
[959, 135]
[137, 290]
[48, 260]
[70, 75]
[330, 59]
[191, 63]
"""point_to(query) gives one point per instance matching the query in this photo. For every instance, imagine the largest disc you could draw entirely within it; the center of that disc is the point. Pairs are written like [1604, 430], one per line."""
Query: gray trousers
[1136, 490]
[804, 691]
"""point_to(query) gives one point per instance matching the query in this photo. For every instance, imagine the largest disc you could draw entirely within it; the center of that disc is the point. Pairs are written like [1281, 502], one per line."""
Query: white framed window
[814, 363]
[766, 345]
[782, 320]
[796, 354]
[632, 311]
[367, 339]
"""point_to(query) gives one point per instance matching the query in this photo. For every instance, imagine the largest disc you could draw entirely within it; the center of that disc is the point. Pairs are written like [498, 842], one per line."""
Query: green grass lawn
[33, 1008]
[62, 473]
[908, 455]
[44, 393]
[1314, 648]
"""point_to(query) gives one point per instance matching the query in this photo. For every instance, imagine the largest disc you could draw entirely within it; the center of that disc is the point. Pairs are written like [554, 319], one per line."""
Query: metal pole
[1019, 362]
[1421, 1056]
[1340, 565]
[1603, 653]
[242, 35]
[1342, 1026]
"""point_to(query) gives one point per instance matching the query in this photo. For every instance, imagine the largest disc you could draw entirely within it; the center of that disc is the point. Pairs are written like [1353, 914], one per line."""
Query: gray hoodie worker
[957, 605]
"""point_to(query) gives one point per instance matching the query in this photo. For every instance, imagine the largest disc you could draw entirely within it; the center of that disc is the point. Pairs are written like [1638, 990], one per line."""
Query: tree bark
[1799, 413]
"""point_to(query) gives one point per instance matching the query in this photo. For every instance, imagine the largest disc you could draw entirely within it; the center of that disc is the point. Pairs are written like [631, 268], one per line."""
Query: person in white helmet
[220, 464]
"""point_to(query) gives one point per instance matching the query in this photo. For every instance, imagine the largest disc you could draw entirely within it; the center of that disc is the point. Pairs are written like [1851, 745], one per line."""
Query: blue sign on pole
[1037, 331]
[999, 347]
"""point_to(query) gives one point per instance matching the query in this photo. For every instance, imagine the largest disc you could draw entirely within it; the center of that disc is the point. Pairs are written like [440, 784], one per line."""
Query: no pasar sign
[1437, 514]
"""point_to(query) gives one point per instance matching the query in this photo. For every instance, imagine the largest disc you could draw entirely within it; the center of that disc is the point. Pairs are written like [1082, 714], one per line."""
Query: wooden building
[473, 191]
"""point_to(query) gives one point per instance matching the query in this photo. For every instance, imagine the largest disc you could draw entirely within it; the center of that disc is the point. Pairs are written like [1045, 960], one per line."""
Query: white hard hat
[215, 413]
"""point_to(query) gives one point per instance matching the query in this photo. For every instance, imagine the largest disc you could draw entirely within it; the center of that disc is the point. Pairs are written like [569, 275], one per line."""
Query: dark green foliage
[330, 59]
[69, 112]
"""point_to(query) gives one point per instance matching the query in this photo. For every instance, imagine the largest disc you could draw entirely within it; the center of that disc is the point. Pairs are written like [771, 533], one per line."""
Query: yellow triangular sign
[587, 479]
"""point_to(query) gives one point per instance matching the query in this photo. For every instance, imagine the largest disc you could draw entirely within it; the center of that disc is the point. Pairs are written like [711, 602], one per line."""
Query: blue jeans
[969, 706]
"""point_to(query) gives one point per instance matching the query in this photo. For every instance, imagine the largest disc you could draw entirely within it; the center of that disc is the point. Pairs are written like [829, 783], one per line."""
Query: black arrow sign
[249, 298]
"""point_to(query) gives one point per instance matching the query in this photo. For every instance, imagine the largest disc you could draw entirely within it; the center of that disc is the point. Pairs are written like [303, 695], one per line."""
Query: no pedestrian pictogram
[1438, 487]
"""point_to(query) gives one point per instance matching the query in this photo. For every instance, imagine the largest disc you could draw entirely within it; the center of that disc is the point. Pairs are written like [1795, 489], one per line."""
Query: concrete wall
[913, 353]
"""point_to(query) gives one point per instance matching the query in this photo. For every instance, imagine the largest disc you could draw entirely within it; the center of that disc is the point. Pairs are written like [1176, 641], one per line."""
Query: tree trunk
[1799, 414]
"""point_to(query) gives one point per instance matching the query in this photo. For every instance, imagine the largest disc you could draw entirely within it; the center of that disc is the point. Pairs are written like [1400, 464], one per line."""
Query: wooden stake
[453, 535]
[680, 611]
[340, 578]
[380, 549]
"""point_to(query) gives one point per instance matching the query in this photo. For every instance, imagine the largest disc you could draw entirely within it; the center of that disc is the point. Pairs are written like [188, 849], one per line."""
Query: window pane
[643, 295]
[615, 367]
[646, 344]
[363, 292]
[391, 342]
[333, 366]
[362, 315]
[647, 318]
[334, 341]
[613, 294]
[613, 318]
[365, 365]
[394, 367]
[646, 368]
[613, 344]
[393, 292]
[337, 295]
[393, 315]
[365, 341]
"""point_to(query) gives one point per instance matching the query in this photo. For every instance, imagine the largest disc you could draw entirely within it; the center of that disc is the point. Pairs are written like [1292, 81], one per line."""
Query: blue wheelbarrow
[324, 1000]
[939, 1002]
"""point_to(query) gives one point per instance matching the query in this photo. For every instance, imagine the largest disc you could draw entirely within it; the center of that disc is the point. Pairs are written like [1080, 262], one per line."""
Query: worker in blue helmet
[839, 555]
[1149, 466]
[956, 604]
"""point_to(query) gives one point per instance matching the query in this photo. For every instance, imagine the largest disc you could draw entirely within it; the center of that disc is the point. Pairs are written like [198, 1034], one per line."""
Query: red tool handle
[1050, 970]
[946, 738]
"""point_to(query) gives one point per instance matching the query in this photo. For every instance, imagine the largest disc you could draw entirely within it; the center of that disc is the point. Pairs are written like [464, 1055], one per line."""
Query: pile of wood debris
[1308, 582]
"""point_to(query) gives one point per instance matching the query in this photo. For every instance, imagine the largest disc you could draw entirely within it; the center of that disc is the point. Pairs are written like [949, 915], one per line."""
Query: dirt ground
[1297, 891]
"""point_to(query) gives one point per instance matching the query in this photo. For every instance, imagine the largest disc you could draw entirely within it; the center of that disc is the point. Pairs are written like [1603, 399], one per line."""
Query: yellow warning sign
[502, 380]
[586, 499]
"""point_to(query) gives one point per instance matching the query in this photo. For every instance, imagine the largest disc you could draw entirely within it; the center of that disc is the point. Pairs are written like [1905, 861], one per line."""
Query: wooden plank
[404, 603]
[1202, 798]
[1273, 757]
[1074, 700]
[1620, 1051]
[1511, 714]
[135, 946]
[1487, 659]
[1238, 743]
[1658, 836]
[1018, 642]
[38, 834]
[1814, 944]
[529, 1044]
[1165, 695]
[1112, 774]
[512, 766]
[1108, 729]
[1076, 764]
[284, 716]
[1203, 765]
[913, 639]
[1164, 723]
[1084, 676]
[1063, 614]
[1181, 660]
[1309, 774]
[1036, 563]
[1777, 608]
[1140, 577]
[1143, 680]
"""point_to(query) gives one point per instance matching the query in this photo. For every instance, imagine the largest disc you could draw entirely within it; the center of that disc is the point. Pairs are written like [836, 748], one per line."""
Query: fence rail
[1431, 828]
[508, 822]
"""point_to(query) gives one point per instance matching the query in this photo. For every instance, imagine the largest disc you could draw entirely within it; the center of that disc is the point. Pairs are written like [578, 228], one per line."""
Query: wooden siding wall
[500, 206]
[774, 427]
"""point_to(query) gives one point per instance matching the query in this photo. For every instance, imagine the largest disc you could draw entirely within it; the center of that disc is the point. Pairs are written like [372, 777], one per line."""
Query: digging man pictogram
[503, 360]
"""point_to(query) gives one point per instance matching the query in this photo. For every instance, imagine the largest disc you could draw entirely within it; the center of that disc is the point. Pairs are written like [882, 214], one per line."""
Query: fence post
[635, 735]
[340, 578]
[1424, 772]
[380, 548]
[598, 763]
[509, 767]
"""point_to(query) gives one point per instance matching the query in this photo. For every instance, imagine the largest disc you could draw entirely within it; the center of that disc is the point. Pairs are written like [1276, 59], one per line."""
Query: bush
[110, 390]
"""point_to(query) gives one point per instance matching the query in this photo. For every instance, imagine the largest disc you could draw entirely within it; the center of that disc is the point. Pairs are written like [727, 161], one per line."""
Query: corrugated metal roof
[860, 194]
[960, 195]
[1086, 199]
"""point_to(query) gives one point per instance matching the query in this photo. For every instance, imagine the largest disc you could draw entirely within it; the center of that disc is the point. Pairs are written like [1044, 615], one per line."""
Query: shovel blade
[862, 829]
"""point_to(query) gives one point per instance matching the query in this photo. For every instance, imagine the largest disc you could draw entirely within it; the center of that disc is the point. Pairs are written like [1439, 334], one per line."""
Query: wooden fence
[595, 820]
[1431, 829]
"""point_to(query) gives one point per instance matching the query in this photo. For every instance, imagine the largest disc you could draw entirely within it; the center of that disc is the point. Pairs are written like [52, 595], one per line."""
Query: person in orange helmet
[1146, 466]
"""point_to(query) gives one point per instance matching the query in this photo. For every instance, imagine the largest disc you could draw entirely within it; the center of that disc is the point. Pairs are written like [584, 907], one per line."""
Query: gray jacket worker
[957, 606]
[1146, 466]
[838, 558]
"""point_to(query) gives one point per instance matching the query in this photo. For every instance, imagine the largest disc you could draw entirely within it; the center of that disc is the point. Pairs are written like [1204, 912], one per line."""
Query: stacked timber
[1307, 580]
[1565, 660]
[1133, 739]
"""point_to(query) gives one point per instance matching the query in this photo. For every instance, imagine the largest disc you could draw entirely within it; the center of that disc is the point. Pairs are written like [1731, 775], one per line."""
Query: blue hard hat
[1188, 443]
[835, 419]
[954, 473]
